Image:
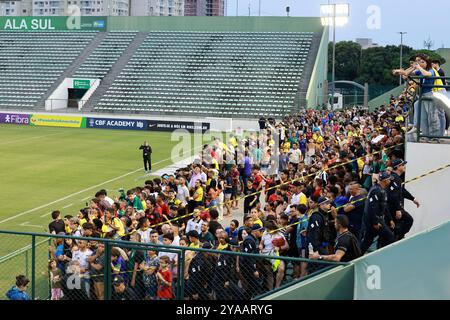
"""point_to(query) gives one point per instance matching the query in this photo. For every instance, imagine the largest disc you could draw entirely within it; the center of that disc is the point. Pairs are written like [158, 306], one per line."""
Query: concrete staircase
[74, 66]
[114, 72]
[300, 99]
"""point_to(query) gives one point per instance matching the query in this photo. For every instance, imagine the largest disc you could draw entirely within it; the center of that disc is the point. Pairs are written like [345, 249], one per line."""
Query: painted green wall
[262, 24]
[315, 95]
[336, 284]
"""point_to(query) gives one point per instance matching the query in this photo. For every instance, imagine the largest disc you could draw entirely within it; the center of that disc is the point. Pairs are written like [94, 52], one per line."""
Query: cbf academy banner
[52, 23]
[124, 124]
[57, 121]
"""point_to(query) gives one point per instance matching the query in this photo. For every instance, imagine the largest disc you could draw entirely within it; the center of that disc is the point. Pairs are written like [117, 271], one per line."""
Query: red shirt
[165, 210]
[257, 180]
[273, 197]
[164, 291]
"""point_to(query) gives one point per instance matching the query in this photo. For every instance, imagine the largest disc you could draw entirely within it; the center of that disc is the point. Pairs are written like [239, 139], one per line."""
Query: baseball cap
[384, 176]
[398, 162]
[118, 280]
[257, 227]
[323, 200]
[207, 245]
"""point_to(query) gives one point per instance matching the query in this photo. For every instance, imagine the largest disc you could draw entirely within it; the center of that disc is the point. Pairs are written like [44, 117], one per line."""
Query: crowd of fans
[303, 185]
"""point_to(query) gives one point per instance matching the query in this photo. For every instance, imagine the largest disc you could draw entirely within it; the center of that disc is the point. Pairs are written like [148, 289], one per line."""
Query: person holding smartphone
[147, 156]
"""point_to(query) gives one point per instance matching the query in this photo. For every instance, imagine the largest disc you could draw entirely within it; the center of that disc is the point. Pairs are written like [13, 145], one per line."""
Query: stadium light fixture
[333, 15]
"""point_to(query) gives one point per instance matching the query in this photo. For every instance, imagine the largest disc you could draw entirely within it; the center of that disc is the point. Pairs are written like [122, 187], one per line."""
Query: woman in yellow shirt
[198, 194]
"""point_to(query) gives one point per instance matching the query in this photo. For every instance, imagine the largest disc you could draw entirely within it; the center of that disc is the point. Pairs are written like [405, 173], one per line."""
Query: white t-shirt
[182, 193]
[176, 241]
[192, 225]
[172, 255]
[109, 200]
[267, 241]
[145, 235]
[81, 257]
[295, 156]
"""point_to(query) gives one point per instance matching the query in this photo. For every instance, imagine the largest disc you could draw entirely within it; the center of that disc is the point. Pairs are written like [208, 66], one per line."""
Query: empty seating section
[31, 62]
[100, 62]
[240, 74]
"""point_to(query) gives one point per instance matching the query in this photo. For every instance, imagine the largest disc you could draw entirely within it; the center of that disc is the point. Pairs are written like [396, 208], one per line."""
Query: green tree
[348, 55]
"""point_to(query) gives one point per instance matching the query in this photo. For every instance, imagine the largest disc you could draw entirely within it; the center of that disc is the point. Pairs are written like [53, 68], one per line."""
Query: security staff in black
[316, 233]
[346, 246]
[375, 210]
[248, 265]
[147, 156]
[396, 198]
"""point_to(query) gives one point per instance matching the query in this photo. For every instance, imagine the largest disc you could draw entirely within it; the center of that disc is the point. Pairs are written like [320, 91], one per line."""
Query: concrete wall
[432, 191]
[415, 268]
[336, 284]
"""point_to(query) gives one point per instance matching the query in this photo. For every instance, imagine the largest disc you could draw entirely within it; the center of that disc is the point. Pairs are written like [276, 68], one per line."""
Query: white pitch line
[37, 137]
[84, 199]
[45, 214]
[81, 191]
[69, 205]
[27, 224]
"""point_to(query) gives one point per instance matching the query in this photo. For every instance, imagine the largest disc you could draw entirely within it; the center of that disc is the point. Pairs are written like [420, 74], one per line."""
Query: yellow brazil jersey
[144, 205]
[233, 142]
[82, 221]
[199, 192]
[286, 146]
[259, 222]
[215, 163]
[303, 199]
[193, 245]
[118, 225]
[399, 119]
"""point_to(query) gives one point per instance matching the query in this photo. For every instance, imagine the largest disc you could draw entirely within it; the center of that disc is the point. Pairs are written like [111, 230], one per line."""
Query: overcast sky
[412, 16]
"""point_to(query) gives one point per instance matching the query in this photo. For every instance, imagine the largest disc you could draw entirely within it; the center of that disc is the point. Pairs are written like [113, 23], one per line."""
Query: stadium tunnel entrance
[75, 95]
[72, 93]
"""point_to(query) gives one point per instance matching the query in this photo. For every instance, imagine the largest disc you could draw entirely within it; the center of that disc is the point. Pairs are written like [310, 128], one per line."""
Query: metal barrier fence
[98, 269]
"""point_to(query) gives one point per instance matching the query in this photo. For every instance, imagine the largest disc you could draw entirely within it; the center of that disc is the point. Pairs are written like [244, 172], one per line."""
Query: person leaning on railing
[433, 118]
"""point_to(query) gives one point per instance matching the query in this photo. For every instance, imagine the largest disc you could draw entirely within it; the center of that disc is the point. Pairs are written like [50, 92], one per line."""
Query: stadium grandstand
[232, 67]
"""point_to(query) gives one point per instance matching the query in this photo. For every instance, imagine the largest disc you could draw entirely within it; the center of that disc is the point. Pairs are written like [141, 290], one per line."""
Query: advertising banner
[15, 118]
[163, 125]
[57, 121]
[124, 124]
[52, 23]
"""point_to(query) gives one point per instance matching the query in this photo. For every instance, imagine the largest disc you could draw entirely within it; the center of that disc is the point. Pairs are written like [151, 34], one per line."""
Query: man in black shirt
[354, 209]
[396, 198]
[346, 247]
[214, 224]
[121, 291]
[57, 225]
[147, 156]
[376, 214]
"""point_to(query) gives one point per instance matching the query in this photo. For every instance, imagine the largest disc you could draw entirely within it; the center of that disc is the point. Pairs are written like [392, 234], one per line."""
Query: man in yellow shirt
[113, 226]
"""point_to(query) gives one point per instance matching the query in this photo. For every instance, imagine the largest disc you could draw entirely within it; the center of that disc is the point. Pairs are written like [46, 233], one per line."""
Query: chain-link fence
[68, 268]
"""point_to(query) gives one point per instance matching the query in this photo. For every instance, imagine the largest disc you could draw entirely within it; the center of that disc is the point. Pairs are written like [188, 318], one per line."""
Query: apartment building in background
[157, 7]
[204, 7]
[60, 7]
